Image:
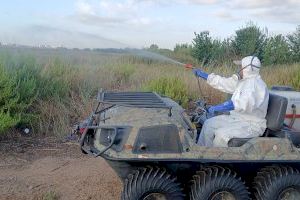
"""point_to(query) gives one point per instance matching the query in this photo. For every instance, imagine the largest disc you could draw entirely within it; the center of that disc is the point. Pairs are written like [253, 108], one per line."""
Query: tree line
[248, 40]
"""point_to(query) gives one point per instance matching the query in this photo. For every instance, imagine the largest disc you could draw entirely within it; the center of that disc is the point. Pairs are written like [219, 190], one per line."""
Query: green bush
[209, 51]
[222, 52]
[18, 91]
[7, 121]
[249, 40]
[172, 87]
[202, 47]
[276, 51]
[294, 43]
[8, 101]
[183, 53]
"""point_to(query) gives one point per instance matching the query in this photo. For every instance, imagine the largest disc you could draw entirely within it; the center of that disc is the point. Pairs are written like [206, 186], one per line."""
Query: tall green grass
[172, 87]
[50, 91]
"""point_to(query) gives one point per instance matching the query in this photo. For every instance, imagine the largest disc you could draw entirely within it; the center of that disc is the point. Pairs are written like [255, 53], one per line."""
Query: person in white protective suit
[248, 105]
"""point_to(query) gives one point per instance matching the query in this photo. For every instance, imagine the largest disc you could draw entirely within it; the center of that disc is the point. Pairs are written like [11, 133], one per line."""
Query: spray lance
[156, 56]
[190, 67]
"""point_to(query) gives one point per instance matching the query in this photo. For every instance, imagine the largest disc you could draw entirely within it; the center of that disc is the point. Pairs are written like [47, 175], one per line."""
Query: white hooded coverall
[250, 98]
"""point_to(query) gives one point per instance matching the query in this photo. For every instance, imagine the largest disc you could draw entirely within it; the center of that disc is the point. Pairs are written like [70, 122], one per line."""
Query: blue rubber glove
[226, 106]
[200, 73]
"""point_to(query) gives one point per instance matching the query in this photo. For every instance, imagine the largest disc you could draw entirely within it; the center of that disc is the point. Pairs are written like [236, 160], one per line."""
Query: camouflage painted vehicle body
[255, 149]
[131, 137]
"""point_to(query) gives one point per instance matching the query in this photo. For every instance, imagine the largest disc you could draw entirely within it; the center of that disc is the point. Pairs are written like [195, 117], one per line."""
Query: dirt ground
[49, 169]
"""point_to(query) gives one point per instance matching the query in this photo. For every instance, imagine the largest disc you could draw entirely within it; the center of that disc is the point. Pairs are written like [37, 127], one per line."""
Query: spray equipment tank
[292, 117]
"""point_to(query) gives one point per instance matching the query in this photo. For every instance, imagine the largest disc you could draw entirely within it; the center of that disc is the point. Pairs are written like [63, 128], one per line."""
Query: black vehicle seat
[276, 113]
[275, 119]
[277, 128]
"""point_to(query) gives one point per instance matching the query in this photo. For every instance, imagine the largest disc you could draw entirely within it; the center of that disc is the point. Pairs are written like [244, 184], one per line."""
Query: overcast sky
[137, 23]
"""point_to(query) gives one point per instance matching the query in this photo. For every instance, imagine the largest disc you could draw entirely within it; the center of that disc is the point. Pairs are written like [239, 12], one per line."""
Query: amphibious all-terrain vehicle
[150, 142]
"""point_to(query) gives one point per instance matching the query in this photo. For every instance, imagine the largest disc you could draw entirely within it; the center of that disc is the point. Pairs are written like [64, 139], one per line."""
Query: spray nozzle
[189, 66]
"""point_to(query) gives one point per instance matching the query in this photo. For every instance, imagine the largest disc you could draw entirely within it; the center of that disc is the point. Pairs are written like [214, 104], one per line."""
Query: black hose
[200, 90]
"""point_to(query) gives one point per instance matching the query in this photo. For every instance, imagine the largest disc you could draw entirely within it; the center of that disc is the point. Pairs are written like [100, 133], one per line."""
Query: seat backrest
[276, 112]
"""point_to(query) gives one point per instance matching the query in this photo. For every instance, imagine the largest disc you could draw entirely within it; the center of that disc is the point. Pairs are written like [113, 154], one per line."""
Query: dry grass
[79, 75]
[88, 80]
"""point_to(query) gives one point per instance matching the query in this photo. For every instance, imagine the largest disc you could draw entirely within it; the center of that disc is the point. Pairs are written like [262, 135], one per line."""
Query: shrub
[183, 53]
[183, 48]
[8, 101]
[18, 90]
[276, 51]
[222, 52]
[249, 40]
[172, 87]
[210, 51]
[153, 47]
[202, 47]
[294, 43]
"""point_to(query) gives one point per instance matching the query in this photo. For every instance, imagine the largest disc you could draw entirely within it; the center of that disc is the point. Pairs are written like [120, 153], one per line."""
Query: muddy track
[31, 169]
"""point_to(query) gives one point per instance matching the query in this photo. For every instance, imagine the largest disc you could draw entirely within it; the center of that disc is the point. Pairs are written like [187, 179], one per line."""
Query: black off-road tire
[213, 180]
[272, 181]
[150, 180]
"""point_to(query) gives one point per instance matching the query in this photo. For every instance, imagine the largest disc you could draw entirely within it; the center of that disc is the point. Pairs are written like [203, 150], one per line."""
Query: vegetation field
[49, 90]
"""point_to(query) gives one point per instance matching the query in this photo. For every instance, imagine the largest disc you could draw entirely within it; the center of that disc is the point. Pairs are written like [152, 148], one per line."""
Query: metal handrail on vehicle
[95, 152]
[130, 99]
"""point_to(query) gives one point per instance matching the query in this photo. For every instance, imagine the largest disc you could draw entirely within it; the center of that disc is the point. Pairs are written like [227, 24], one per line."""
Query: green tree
[276, 50]
[294, 43]
[222, 51]
[249, 40]
[211, 51]
[202, 47]
[183, 53]
[183, 48]
[153, 47]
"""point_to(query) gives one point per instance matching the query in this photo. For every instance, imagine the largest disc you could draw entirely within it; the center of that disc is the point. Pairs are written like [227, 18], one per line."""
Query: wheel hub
[155, 196]
[290, 194]
[223, 195]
